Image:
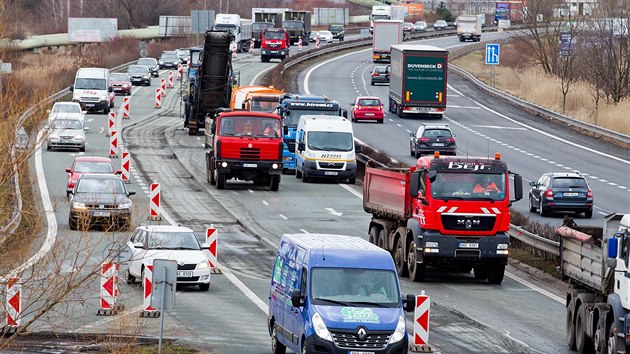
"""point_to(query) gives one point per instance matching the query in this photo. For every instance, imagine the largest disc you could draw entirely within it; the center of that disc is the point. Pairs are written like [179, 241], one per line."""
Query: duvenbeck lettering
[422, 66]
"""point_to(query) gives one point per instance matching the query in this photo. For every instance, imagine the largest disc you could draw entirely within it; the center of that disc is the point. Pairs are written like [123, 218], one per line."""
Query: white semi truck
[241, 29]
[379, 12]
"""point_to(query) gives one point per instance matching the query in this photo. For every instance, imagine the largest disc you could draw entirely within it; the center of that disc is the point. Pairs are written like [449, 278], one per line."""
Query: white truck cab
[92, 89]
[325, 148]
[241, 29]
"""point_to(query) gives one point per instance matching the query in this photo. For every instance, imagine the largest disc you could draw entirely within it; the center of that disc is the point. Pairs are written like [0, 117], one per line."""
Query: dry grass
[533, 85]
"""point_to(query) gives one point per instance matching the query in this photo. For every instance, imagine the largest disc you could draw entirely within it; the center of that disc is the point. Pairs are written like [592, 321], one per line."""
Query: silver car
[66, 134]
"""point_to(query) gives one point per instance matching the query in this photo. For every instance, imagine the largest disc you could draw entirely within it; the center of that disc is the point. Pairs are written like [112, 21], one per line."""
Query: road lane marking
[497, 127]
[265, 202]
[284, 217]
[465, 107]
[304, 231]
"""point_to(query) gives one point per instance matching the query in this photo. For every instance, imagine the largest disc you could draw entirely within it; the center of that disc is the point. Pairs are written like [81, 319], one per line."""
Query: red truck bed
[386, 192]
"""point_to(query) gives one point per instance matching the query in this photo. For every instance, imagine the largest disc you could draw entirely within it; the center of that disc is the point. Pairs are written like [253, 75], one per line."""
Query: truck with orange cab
[443, 213]
[243, 97]
[265, 101]
[246, 146]
[274, 43]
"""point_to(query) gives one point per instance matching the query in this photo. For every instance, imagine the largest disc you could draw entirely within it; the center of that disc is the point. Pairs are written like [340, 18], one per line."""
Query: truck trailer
[386, 34]
[418, 80]
[433, 215]
[469, 27]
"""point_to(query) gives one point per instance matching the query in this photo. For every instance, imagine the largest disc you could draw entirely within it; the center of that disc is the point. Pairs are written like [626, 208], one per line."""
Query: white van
[92, 89]
[325, 148]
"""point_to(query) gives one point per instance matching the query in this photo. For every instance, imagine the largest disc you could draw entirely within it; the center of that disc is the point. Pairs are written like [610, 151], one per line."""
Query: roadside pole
[5, 68]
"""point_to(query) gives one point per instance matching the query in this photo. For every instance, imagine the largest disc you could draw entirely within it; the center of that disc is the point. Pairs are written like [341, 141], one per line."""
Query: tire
[204, 287]
[600, 338]
[481, 272]
[193, 131]
[588, 214]
[304, 349]
[106, 110]
[275, 183]
[130, 278]
[304, 176]
[583, 343]
[298, 173]
[213, 178]
[615, 344]
[417, 153]
[48, 147]
[399, 257]
[541, 210]
[532, 208]
[399, 111]
[82, 149]
[411, 152]
[570, 328]
[276, 346]
[416, 271]
[496, 273]
[72, 223]
[380, 240]
[373, 235]
[220, 180]
[352, 180]
[372, 83]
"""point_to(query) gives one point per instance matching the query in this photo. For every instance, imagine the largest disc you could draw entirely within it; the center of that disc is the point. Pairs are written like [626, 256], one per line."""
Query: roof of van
[340, 251]
[92, 72]
[332, 123]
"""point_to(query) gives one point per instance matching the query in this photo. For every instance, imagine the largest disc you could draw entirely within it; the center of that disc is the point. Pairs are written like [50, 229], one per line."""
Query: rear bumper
[459, 250]
[568, 206]
[445, 150]
[375, 116]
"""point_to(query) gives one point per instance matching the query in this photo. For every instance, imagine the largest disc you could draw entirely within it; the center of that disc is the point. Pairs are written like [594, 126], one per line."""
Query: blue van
[336, 294]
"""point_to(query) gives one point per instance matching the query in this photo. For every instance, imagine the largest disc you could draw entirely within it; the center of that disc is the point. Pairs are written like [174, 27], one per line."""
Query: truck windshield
[293, 25]
[329, 141]
[250, 126]
[259, 26]
[90, 84]
[380, 17]
[354, 287]
[293, 118]
[469, 186]
[274, 35]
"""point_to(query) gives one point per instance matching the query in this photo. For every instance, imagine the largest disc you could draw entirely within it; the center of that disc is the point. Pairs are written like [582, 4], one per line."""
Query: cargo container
[386, 34]
[469, 27]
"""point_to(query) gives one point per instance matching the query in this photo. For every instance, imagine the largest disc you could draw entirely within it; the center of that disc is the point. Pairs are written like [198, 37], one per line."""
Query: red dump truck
[441, 213]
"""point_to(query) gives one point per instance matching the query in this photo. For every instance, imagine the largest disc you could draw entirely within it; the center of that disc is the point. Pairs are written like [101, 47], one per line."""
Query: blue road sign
[492, 54]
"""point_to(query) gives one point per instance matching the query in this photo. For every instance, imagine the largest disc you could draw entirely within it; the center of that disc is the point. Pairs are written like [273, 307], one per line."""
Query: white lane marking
[497, 127]
[252, 82]
[304, 231]
[536, 288]
[282, 216]
[351, 190]
[334, 212]
[454, 89]
[399, 126]
[465, 107]
[363, 79]
[313, 68]
[265, 202]
[249, 190]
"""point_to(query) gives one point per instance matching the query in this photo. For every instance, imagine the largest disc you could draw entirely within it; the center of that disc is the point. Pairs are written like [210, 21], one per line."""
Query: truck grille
[291, 146]
[250, 153]
[348, 339]
[468, 222]
[331, 165]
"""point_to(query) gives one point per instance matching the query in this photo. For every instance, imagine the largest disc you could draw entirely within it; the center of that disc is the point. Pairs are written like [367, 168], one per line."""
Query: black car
[169, 60]
[150, 63]
[380, 75]
[430, 138]
[139, 75]
[561, 191]
[99, 199]
[337, 31]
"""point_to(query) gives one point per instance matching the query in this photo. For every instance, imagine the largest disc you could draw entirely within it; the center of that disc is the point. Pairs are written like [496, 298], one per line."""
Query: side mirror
[301, 147]
[205, 246]
[68, 170]
[352, 104]
[285, 130]
[532, 184]
[518, 187]
[413, 135]
[71, 88]
[130, 193]
[48, 111]
[297, 300]
[344, 113]
[409, 303]
[613, 249]
[414, 182]
[110, 89]
[118, 172]
[85, 129]
[139, 245]
[432, 176]
[357, 148]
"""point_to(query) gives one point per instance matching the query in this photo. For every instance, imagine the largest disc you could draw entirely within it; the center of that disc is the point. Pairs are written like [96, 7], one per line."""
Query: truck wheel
[373, 235]
[496, 273]
[600, 338]
[481, 272]
[615, 344]
[399, 257]
[275, 182]
[193, 131]
[380, 240]
[570, 327]
[213, 177]
[582, 341]
[220, 180]
[416, 271]
[399, 111]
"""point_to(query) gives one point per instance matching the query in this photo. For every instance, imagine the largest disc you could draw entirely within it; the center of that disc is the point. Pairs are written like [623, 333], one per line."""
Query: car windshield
[67, 124]
[381, 69]
[314, 34]
[408, 24]
[325, 33]
[437, 133]
[119, 77]
[93, 166]
[468, 186]
[355, 288]
[294, 25]
[147, 61]
[569, 182]
[421, 23]
[329, 141]
[101, 186]
[369, 102]
[66, 108]
[274, 35]
[163, 240]
[440, 22]
[293, 118]
[169, 56]
[90, 84]
[336, 28]
[250, 127]
[138, 69]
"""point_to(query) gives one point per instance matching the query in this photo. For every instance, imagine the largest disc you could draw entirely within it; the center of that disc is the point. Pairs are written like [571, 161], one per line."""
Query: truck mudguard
[614, 302]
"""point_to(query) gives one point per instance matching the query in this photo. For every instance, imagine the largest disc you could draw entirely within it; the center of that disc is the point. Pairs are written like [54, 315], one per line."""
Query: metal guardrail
[16, 218]
[536, 241]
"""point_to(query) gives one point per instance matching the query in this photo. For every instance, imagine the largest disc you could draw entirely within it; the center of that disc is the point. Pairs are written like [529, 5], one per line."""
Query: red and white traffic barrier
[179, 71]
[163, 87]
[14, 304]
[158, 98]
[113, 144]
[125, 107]
[125, 166]
[109, 289]
[170, 79]
[317, 42]
[212, 239]
[300, 43]
[154, 202]
[147, 310]
[188, 63]
[421, 320]
[251, 46]
[111, 122]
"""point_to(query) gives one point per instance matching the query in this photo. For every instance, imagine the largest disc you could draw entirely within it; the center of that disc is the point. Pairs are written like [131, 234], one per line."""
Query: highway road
[466, 315]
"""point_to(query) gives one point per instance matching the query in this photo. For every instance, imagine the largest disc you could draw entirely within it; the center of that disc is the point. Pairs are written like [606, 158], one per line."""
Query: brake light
[590, 194]
[549, 193]
[375, 74]
[424, 140]
[450, 140]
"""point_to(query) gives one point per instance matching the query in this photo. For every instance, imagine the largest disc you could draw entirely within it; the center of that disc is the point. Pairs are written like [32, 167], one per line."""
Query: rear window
[380, 69]
[335, 28]
[569, 182]
[369, 102]
[437, 133]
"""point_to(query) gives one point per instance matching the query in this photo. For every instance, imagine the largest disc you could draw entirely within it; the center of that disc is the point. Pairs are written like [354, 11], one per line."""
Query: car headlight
[203, 265]
[161, 62]
[53, 136]
[79, 137]
[400, 331]
[103, 98]
[146, 76]
[125, 85]
[320, 328]
[124, 205]
[78, 205]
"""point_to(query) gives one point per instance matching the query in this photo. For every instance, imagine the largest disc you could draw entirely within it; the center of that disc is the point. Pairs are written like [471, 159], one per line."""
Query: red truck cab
[446, 212]
[274, 43]
[244, 145]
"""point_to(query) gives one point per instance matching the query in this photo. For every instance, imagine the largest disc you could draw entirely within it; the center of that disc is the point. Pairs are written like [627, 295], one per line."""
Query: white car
[325, 36]
[69, 110]
[66, 133]
[178, 243]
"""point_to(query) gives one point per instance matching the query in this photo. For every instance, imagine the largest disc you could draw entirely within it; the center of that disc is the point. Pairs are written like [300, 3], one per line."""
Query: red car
[85, 164]
[367, 108]
[121, 84]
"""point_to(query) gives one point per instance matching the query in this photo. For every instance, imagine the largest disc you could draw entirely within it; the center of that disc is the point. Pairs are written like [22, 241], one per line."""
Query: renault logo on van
[361, 333]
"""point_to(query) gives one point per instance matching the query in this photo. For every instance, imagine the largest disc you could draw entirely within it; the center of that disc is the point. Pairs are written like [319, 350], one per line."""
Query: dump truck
[418, 80]
[596, 262]
[433, 215]
[298, 24]
[210, 88]
[265, 18]
[386, 34]
[469, 27]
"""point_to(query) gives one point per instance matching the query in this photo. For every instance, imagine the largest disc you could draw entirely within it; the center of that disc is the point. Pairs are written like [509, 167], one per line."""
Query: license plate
[136, 79]
[250, 165]
[331, 173]
[438, 144]
[468, 245]
[369, 114]
[356, 352]
[101, 213]
[274, 52]
[570, 194]
[184, 274]
[89, 104]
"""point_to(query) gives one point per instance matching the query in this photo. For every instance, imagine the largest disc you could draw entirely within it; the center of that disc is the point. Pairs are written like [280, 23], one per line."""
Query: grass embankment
[530, 83]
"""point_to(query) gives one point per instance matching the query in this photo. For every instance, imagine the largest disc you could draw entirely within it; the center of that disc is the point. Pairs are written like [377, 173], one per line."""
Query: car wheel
[72, 223]
[372, 83]
[48, 147]
[417, 153]
[276, 346]
[204, 287]
[304, 176]
[298, 173]
[589, 213]
[532, 208]
[106, 110]
[411, 152]
[82, 148]
[541, 210]
[130, 278]
[352, 180]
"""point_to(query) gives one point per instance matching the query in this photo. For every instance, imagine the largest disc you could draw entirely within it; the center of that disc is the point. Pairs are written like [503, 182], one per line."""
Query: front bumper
[101, 217]
[280, 53]
[460, 250]
[348, 171]
[66, 143]
[168, 66]
[140, 81]
[317, 345]
[93, 105]
[236, 167]
[193, 277]
[121, 89]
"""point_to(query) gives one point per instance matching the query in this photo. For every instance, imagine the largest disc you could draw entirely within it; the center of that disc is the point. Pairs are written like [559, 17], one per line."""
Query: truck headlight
[203, 265]
[432, 244]
[400, 331]
[274, 166]
[224, 164]
[320, 328]
[502, 246]
[78, 205]
[124, 205]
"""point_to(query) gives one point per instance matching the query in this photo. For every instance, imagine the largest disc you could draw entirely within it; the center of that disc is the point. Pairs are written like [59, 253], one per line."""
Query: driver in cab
[486, 185]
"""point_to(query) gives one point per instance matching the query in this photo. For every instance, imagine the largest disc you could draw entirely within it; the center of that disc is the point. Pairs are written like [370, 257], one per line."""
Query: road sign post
[492, 58]
[164, 285]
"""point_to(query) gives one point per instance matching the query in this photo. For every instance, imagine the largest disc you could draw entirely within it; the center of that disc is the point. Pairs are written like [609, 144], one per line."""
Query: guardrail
[536, 241]
[14, 222]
